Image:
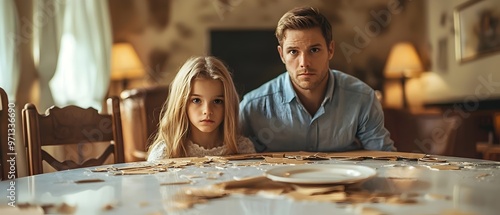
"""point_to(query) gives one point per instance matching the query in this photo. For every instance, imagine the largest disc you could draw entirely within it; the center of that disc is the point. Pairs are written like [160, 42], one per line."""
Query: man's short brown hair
[303, 18]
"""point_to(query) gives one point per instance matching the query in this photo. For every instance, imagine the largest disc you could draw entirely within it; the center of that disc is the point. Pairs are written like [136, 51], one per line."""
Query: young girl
[200, 116]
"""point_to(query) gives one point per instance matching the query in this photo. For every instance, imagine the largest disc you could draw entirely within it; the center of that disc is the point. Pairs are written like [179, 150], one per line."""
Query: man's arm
[243, 120]
[245, 125]
[371, 131]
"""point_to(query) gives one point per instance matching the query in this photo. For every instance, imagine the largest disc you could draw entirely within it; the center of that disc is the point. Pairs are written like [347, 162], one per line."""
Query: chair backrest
[7, 133]
[141, 109]
[72, 125]
[436, 135]
[431, 132]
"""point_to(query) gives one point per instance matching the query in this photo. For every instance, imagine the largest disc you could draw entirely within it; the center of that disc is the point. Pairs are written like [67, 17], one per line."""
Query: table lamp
[125, 64]
[403, 62]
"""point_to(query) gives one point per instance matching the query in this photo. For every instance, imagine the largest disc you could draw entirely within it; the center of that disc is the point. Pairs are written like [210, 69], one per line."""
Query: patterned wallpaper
[364, 31]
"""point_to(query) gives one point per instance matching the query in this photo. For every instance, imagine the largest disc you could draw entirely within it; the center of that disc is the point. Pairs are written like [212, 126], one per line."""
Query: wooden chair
[434, 135]
[430, 132]
[72, 125]
[5, 138]
[140, 110]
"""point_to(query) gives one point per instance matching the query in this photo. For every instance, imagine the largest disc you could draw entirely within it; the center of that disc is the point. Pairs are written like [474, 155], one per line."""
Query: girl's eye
[196, 100]
[218, 101]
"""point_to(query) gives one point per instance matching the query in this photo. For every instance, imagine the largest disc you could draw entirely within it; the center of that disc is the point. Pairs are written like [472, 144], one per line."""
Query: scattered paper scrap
[252, 163]
[430, 159]
[274, 160]
[110, 206]
[444, 167]
[27, 208]
[113, 168]
[85, 181]
[269, 158]
[181, 182]
[210, 193]
[22, 210]
[133, 172]
[369, 211]
[189, 197]
[483, 176]
[435, 196]
[328, 197]
[350, 194]
[400, 201]
[352, 155]
[315, 189]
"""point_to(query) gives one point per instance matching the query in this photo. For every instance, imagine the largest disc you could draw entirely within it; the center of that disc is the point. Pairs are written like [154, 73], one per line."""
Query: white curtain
[9, 38]
[48, 20]
[83, 67]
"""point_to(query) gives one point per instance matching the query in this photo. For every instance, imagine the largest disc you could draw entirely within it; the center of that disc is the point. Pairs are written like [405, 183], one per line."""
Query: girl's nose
[207, 110]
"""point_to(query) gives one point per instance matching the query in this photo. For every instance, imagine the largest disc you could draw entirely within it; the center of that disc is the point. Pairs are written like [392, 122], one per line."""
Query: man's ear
[331, 49]
[280, 51]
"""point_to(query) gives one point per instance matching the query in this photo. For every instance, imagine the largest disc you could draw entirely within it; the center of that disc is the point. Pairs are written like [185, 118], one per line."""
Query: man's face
[306, 56]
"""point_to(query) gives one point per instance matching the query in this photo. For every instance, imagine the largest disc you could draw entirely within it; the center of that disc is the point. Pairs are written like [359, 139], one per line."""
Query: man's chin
[306, 86]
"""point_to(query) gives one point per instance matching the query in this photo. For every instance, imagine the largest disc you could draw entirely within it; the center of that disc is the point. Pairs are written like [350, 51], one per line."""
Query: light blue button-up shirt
[349, 118]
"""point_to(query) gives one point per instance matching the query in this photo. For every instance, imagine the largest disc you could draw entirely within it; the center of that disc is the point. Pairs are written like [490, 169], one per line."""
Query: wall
[449, 80]
[364, 30]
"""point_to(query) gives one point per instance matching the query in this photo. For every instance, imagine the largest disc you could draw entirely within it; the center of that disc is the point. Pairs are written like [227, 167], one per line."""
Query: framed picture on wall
[477, 29]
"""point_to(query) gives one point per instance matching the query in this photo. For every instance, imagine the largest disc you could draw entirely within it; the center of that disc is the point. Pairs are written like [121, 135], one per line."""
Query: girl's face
[205, 107]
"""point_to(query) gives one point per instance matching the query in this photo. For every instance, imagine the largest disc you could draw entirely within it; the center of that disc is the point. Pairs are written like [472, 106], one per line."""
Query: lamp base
[403, 91]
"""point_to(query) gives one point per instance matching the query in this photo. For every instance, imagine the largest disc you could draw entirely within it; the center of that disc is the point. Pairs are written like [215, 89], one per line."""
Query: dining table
[359, 182]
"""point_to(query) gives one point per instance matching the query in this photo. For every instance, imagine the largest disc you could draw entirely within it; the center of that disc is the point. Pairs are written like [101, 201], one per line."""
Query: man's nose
[304, 60]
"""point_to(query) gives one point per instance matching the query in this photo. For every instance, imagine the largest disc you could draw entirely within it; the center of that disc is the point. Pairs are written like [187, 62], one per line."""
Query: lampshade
[125, 64]
[403, 61]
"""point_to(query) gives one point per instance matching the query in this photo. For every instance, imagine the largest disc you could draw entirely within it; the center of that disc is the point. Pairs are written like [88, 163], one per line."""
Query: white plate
[321, 174]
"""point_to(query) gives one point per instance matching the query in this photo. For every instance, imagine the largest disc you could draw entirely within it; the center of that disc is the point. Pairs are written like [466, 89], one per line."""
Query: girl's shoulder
[157, 152]
[245, 145]
[242, 139]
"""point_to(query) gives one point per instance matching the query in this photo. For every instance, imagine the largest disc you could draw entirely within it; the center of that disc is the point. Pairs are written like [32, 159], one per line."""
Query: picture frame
[477, 29]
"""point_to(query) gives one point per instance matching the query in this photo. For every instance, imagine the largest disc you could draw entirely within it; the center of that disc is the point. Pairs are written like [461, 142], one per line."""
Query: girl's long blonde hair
[174, 123]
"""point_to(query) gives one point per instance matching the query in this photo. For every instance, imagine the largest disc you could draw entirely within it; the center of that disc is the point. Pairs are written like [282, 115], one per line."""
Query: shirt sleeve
[243, 122]
[371, 133]
[245, 125]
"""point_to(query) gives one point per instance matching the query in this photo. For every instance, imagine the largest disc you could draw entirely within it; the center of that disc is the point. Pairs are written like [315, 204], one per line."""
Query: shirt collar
[289, 93]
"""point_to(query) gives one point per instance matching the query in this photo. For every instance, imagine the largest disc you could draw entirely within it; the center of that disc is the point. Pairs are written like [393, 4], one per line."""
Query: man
[310, 107]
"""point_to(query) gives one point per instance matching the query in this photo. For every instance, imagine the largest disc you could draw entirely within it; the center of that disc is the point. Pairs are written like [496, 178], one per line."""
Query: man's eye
[314, 50]
[293, 52]
[196, 100]
[218, 101]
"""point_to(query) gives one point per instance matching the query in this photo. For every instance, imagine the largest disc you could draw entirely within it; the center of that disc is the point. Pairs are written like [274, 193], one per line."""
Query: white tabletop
[471, 189]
